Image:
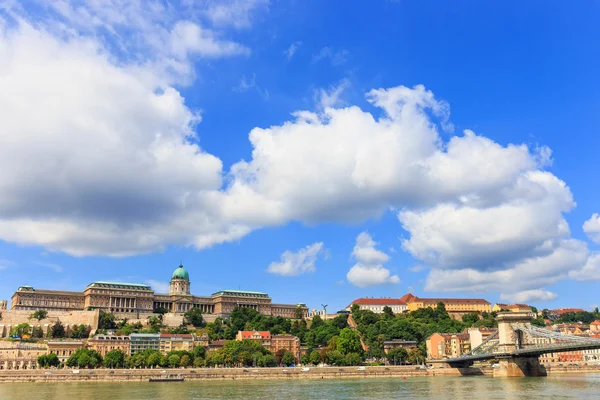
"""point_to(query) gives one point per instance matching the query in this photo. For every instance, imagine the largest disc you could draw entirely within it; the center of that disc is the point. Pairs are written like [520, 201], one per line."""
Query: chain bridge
[517, 345]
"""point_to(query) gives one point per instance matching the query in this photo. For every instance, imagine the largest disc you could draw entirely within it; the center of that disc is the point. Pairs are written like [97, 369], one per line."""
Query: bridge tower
[510, 341]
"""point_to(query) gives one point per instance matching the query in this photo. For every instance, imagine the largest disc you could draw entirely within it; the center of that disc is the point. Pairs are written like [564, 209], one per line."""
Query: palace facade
[138, 298]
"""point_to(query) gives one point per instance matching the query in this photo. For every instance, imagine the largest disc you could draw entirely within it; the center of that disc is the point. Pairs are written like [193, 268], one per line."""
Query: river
[554, 387]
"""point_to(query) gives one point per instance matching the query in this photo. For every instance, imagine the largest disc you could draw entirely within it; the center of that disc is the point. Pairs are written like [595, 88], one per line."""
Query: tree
[299, 312]
[415, 356]
[80, 332]
[160, 310]
[315, 357]
[57, 330]
[21, 329]
[199, 362]
[267, 360]
[397, 356]
[153, 359]
[335, 357]
[194, 317]
[355, 309]
[305, 359]
[388, 312]
[288, 358]
[114, 359]
[107, 321]
[353, 359]
[173, 361]
[185, 361]
[39, 315]
[199, 352]
[279, 355]
[37, 332]
[349, 342]
[470, 318]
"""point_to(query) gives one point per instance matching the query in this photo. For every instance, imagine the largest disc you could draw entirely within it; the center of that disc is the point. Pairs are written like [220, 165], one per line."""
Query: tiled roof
[378, 302]
[409, 298]
[250, 334]
[596, 322]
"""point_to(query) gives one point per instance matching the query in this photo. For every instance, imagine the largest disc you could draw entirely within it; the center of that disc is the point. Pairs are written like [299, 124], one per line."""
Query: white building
[377, 304]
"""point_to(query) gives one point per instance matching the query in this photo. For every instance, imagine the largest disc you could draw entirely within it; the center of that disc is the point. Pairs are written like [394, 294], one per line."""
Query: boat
[167, 378]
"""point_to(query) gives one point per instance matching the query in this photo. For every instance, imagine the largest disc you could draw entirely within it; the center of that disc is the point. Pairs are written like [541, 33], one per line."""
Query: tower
[180, 281]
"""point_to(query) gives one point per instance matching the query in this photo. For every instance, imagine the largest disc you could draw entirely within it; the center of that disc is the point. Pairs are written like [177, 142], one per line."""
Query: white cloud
[327, 98]
[335, 57]
[249, 84]
[297, 263]
[369, 269]
[417, 268]
[592, 227]
[291, 51]
[527, 296]
[54, 267]
[158, 286]
[236, 13]
[590, 271]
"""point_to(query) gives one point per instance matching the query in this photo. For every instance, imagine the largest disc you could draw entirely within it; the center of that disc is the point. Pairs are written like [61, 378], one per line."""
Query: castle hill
[116, 325]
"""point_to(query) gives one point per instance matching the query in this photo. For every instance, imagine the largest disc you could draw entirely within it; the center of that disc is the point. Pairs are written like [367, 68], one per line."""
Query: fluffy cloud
[369, 270]
[592, 227]
[236, 13]
[297, 263]
[158, 286]
[527, 296]
[590, 271]
[289, 53]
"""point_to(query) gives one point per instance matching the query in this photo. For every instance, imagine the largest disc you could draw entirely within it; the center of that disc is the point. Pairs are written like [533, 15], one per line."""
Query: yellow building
[105, 343]
[447, 345]
[64, 348]
[511, 307]
[452, 305]
[176, 342]
[135, 298]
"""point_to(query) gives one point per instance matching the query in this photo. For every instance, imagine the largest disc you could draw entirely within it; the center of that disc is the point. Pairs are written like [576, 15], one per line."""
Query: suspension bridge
[517, 345]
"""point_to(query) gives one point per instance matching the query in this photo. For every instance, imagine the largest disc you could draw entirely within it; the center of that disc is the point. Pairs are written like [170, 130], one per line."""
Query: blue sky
[312, 150]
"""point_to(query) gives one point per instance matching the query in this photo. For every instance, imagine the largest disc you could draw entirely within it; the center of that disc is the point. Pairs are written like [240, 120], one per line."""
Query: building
[64, 348]
[135, 298]
[176, 342]
[397, 344]
[264, 337]
[286, 342]
[17, 355]
[105, 343]
[378, 304]
[511, 307]
[556, 314]
[447, 345]
[595, 327]
[479, 335]
[460, 306]
[3, 305]
[216, 345]
[143, 341]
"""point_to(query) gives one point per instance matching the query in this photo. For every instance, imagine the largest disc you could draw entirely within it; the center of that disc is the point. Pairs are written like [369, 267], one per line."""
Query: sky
[316, 151]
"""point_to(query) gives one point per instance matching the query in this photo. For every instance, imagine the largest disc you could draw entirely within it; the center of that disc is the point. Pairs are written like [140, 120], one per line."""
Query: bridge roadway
[532, 351]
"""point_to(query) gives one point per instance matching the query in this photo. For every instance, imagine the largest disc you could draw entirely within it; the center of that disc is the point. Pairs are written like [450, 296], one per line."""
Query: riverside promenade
[198, 374]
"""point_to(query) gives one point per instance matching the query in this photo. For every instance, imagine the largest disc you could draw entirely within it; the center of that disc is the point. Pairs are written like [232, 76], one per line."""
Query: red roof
[176, 335]
[250, 334]
[596, 322]
[378, 302]
[561, 311]
[409, 298]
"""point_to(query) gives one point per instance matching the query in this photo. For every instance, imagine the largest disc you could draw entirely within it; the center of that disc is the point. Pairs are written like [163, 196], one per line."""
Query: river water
[552, 387]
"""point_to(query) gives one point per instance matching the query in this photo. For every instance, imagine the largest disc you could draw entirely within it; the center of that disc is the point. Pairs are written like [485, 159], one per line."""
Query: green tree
[315, 357]
[114, 359]
[267, 360]
[349, 342]
[353, 359]
[194, 317]
[58, 330]
[185, 361]
[355, 309]
[415, 356]
[388, 312]
[397, 356]
[39, 315]
[335, 357]
[107, 321]
[21, 329]
[288, 358]
[279, 355]
[305, 359]
[199, 352]
[80, 332]
[52, 360]
[37, 332]
[153, 359]
[160, 310]
[173, 361]
[470, 318]
[299, 312]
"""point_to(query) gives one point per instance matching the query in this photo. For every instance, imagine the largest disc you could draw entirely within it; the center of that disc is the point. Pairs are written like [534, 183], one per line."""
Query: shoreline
[223, 374]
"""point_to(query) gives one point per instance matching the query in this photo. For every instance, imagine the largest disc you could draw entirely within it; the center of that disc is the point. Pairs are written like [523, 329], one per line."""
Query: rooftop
[239, 293]
[382, 301]
[119, 285]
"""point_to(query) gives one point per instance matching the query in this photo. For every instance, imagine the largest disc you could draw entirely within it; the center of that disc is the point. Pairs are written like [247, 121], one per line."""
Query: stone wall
[11, 318]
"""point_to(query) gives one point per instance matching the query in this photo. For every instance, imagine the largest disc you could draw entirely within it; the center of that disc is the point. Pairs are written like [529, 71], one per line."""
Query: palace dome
[180, 273]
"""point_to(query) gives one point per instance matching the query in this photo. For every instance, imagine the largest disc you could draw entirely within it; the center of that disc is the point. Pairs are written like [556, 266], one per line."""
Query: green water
[554, 387]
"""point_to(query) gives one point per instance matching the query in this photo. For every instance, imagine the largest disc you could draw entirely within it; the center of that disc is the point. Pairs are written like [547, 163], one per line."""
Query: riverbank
[199, 374]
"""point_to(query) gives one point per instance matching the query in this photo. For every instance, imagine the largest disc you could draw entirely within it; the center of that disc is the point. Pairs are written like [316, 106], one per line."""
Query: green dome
[180, 273]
